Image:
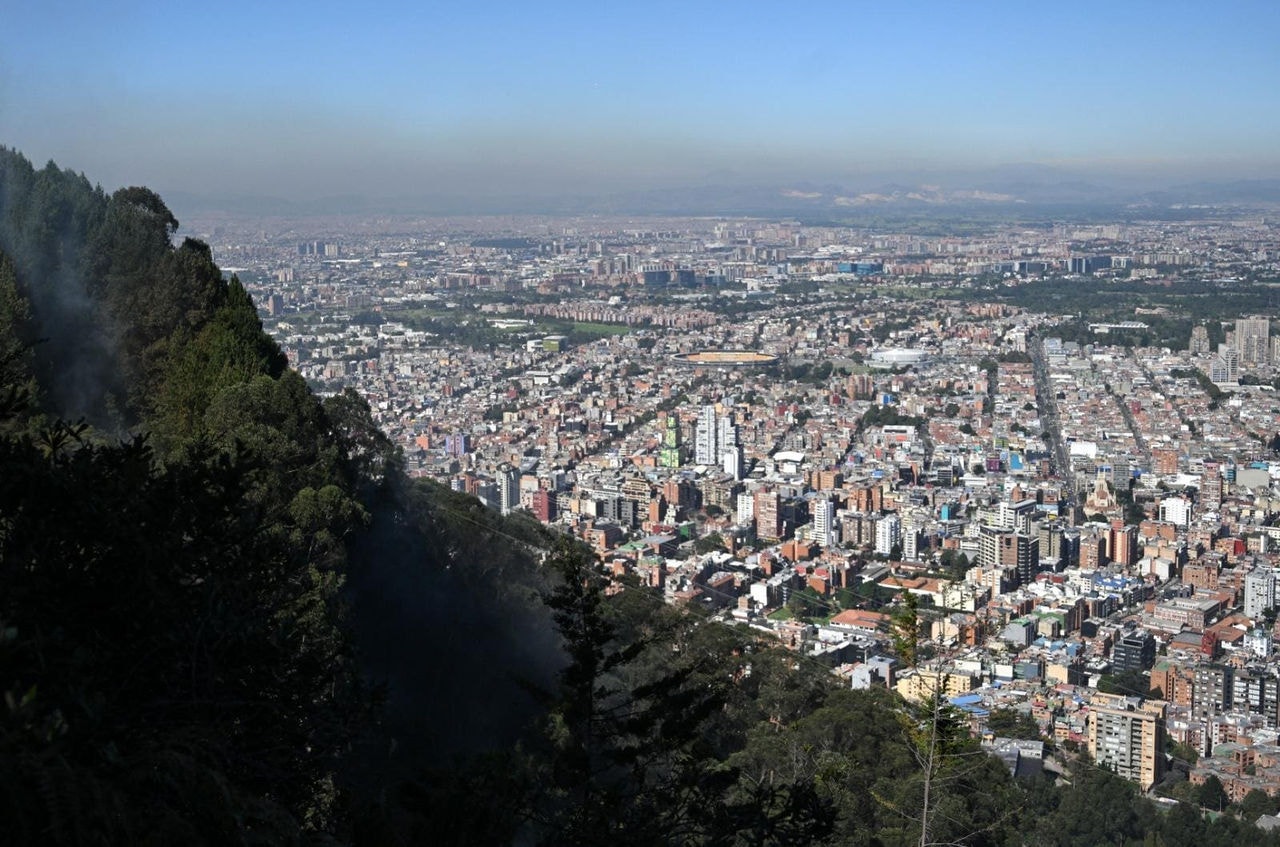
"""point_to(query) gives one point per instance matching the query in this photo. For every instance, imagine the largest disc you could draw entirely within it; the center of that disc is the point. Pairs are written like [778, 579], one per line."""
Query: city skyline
[507, 100]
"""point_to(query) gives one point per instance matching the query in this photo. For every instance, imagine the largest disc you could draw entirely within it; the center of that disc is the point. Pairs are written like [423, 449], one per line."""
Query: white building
[726, 435]
[731, 462]
[1258, 642]
[1176, 510]
[888, 534]
[911, 542]
[704, 437]
[823, 512]
[1259, 591]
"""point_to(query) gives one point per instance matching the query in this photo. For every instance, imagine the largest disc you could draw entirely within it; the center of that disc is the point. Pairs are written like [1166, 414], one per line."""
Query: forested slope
[174, 660]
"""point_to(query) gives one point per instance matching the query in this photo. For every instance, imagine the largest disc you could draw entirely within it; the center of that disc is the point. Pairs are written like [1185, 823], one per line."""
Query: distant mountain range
[1018, 191]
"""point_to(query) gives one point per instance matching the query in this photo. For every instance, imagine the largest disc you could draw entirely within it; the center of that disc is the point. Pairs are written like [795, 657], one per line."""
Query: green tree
[1008, 723]
[1211, 794]
[1097, 808]
[1131, 683]
[16, 379]
[370, 456]
[1184, 752]
[622, 765]
[181, 672]
[229, 350]
[1257, 803]
[904, 626]
[709, 543]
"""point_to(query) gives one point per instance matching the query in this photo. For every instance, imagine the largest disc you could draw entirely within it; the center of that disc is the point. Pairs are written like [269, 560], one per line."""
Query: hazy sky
[311, 99]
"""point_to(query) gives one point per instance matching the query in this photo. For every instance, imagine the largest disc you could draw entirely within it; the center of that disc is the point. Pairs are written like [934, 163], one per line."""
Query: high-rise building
[860, 386]
[705, 437]
[457, 444]
[714, 437]
[1175, 510]
[508, 489]
[1005, 548]
[1126, 735]
[1199, 344]
[1225, 367]
[911, 541]
[726, 435]
[1016, 516]
[544, 505]
[1258, 691]
[1134, 652]
[1253, 340]
[731, 462]
[768, 515]
[989, 545]
[888, 534]
[858, 529]
[1026, 557]
[672, 453]
[1164, 460]
[1259, 591]
[1211, 693]
[824, 531]
[1211, 487]
[1123, 548]
[1050, 534]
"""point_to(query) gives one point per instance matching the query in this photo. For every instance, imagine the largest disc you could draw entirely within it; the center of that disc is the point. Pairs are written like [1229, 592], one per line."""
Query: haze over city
[507, 100]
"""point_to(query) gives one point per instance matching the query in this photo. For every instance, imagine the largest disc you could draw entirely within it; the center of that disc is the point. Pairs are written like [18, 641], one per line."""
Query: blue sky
[307, 99]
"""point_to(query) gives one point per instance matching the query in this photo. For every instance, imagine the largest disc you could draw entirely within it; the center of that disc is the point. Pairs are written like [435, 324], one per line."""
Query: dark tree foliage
[17, 383]
[623, 754]
[1257, 803]
[47, 217]
[110, 296]
[1097, 808]
[176, 669]
[1211, 794]
[1008, 723]
[227, 351]
[370, 455]
[888, 415]
[173, 656]
[1131, 683]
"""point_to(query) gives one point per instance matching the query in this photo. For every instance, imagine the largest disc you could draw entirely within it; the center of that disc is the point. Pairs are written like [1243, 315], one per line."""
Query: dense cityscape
[796, 426]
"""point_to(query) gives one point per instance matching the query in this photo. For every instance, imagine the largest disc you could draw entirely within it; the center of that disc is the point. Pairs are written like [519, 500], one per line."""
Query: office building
[1005, 548]
[1134, 652]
